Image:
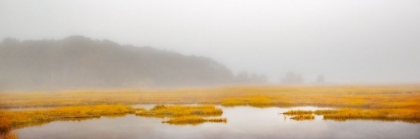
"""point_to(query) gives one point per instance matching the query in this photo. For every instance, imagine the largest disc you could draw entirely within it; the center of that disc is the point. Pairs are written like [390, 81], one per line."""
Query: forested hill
[78, 62]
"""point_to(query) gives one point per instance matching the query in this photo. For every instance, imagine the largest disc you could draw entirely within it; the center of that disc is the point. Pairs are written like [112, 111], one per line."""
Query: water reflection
[244, 122]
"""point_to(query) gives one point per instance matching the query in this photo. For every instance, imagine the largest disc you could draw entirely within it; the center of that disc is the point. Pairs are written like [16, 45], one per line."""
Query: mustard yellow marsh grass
[301, 117]
[15, 119]
[179, 110]
[396, 96]
[406, 115]
[182, 115]
[193, 119]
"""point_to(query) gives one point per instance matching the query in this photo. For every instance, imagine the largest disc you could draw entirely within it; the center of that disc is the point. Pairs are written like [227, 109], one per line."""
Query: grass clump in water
[297, 112]
[406, 115]
[230, 102]
[193, 119]
[325, 112]
[301, 117]
[184, 114]
[16, 119]
[177, 110]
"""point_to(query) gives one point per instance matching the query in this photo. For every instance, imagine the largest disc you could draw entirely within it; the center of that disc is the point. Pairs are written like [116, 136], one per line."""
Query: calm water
[243, 123]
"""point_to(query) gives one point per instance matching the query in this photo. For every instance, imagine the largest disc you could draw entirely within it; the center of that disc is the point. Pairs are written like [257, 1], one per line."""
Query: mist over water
[283, 42]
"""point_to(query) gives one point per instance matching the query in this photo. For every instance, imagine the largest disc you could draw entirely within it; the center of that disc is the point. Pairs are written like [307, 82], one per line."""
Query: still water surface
[243, 123]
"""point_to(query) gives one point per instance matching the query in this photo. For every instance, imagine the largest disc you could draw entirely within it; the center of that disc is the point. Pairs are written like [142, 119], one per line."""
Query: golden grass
[193, 119]
[323, 112]
[177, 110]
[297, 112]
[406, 115]
[331, 96]
[140, 110]
[256, 101]
[396, 102]
[4, 122]
[9, 135]
[16, 119]
[217, 120]
[184, 114]
[234, 102]
[301, 117]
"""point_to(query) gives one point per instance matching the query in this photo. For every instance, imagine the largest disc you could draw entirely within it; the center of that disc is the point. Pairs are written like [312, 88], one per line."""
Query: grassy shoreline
[336, 96]
[405, 115]
[388, 103]
[179, 115]
[18, 119]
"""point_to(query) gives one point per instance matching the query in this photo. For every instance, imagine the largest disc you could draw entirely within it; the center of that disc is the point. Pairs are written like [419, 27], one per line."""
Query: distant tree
[254, 77]
[10, 41]
[262, 78]
[292, 78]
[248, 79]
[320, 79]
[242, 77]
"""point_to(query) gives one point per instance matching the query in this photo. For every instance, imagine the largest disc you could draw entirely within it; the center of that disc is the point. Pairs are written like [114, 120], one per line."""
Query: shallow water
[243, 123]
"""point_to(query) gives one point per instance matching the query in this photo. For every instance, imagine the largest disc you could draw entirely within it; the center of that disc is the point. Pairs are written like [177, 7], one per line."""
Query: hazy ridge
[78, 62]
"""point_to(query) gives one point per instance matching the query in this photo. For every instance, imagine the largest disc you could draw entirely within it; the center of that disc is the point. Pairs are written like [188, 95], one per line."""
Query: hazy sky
[348, 41]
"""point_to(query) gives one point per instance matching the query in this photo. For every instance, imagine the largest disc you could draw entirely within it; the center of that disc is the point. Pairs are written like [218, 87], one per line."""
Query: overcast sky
[347, 41]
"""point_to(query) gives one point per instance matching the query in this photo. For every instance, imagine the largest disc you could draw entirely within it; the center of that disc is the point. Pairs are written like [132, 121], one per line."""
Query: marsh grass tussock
[406, 115]
[17, 119]
[231, 102]
[179, 114]
[179, 110]
[302, 117]
[297, 112]
[193, 119]
[9, 135]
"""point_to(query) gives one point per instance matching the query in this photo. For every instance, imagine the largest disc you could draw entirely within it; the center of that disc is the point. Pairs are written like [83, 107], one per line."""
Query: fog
[342, 41]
